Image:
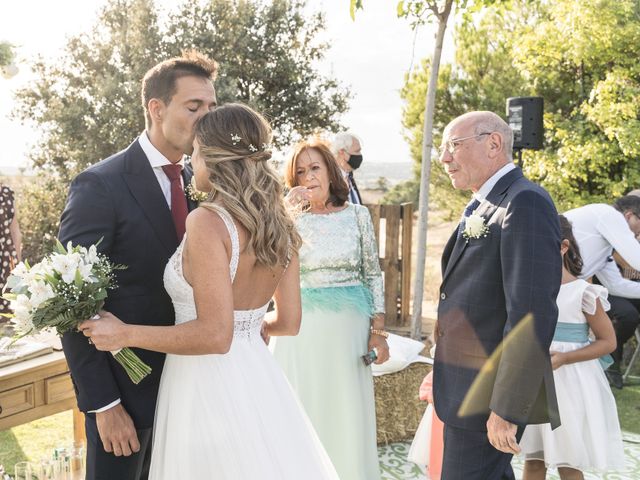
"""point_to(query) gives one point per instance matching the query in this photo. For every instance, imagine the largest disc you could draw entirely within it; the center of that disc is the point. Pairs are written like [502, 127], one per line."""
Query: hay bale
[398, 408]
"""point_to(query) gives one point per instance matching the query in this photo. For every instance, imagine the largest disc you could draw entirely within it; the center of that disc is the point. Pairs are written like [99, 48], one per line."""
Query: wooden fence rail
[393, 226]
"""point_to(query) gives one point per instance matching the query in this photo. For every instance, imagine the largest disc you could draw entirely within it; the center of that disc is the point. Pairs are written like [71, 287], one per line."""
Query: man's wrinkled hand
[117, 431]
[502, 434]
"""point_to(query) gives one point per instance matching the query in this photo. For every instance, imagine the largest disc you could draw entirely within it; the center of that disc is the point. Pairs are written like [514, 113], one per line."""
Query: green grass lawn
[36, 440]
[628, 400]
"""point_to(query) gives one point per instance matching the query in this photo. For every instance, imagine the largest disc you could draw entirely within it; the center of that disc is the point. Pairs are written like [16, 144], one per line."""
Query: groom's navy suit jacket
[119, 200]
[489, 284]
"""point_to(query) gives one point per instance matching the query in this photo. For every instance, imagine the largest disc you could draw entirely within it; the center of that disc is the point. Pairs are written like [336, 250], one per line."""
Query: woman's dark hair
[572, 260]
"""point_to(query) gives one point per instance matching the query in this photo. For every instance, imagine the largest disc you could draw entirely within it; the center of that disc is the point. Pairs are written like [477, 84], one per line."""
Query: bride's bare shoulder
[205, 223]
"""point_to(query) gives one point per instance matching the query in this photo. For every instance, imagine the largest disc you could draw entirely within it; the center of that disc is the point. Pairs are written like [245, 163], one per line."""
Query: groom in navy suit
[135, 202]
[501, 264]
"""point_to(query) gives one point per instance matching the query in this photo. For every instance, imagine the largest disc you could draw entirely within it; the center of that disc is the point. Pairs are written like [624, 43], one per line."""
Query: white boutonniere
[474, 227]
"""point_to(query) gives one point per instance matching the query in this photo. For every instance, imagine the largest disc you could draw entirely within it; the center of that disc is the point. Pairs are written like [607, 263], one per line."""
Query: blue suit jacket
[489, 285]
[120, 200]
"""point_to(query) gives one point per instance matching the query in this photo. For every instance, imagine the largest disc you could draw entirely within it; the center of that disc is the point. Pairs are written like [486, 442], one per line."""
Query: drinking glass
[22, 471]
[76, 455]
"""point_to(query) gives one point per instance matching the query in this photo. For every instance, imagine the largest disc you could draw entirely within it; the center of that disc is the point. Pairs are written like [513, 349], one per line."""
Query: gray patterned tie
[468, 210]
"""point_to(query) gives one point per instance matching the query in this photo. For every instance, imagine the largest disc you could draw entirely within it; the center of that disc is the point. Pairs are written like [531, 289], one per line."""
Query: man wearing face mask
[348, 152]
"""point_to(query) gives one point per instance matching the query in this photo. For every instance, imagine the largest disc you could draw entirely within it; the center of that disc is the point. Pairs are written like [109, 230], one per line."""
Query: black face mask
[355, 161]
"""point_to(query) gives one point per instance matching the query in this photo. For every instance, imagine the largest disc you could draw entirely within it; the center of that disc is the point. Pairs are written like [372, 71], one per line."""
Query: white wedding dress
[231, 416]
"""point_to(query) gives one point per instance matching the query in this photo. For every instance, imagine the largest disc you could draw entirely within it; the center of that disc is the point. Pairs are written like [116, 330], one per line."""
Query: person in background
[599, 229]
[10, 241]
[589, 437]
[342, 314]
[347, 149]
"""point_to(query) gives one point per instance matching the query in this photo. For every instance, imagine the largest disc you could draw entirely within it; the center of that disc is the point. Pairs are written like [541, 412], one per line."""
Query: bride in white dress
[225, 409]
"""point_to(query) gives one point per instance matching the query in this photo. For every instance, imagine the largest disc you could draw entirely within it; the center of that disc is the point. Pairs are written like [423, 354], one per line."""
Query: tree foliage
[580, 57]
[86, 104]
[268, 52]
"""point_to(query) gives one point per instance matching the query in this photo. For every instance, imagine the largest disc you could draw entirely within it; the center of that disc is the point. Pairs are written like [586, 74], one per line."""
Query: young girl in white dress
[589, 437]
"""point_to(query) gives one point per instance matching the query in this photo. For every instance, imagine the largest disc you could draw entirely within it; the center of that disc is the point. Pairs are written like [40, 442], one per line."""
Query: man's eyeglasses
[451, 145]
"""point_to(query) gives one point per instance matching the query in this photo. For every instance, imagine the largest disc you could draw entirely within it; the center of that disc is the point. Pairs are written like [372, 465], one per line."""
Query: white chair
[634, 358]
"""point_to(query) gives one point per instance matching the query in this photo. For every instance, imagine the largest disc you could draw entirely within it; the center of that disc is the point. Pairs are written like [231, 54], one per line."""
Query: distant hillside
[368, 174]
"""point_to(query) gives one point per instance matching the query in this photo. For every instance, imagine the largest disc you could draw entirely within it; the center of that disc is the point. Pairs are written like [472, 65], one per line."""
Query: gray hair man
[347, 149]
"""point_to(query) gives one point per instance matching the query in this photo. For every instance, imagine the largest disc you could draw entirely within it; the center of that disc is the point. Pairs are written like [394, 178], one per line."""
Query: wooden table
[36, 388]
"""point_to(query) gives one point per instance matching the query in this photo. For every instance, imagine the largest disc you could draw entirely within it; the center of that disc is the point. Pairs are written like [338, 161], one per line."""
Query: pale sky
[371, 55]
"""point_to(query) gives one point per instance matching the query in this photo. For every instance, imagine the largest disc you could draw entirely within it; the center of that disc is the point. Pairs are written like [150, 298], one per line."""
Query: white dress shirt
[353, 196]
[156, 160]
[487, 186]
[599, 229]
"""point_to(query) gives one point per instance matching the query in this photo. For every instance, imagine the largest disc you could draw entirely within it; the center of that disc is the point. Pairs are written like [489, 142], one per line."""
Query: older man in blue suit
[500, 265]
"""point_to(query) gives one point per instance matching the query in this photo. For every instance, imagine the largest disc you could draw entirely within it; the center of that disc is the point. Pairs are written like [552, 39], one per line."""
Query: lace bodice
[339, 250]
[247, 323]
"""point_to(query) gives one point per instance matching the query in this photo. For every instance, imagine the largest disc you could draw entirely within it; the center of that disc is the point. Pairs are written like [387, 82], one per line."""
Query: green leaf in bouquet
[51, 280]
[78, 280]
[100, 294]
[12, 282]
[16, 289]
[60, 248]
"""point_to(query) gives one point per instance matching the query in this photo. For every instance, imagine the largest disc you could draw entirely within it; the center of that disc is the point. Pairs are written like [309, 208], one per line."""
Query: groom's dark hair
[160, 81]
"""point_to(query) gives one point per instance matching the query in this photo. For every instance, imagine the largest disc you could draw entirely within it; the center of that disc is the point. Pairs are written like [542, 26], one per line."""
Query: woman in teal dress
[342, 314]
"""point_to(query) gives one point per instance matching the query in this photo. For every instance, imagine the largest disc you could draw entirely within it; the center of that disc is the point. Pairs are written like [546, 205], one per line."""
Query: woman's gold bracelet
[382, 333]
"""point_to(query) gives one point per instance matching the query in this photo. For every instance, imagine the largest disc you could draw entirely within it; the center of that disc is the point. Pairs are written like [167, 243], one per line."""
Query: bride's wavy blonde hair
[234, 143]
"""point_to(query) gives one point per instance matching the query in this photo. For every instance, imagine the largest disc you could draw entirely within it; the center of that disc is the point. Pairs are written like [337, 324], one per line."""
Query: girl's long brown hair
[572, 260]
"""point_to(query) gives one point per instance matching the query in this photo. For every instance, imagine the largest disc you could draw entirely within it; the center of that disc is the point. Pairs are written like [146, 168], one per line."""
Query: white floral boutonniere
[474, 227]
[193, 193]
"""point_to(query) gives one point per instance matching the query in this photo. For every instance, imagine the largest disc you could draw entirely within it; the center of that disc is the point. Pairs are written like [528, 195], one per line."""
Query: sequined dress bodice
[247, 323]
[339, 250]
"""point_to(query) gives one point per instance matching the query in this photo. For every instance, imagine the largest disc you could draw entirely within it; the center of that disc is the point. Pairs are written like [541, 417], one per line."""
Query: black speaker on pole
[524, 115]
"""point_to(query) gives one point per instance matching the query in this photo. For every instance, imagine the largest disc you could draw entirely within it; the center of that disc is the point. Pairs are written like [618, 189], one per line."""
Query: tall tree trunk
[425, 174]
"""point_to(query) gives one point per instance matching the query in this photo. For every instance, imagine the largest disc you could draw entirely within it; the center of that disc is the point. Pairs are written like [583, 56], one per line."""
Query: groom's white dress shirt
[157, 160]
[599, 229]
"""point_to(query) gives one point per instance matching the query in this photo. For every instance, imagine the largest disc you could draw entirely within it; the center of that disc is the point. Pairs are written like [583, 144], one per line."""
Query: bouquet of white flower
[64, 289]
